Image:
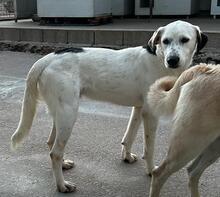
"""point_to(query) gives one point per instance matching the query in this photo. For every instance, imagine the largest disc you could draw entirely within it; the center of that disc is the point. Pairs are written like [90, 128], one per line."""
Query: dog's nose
[173, 61]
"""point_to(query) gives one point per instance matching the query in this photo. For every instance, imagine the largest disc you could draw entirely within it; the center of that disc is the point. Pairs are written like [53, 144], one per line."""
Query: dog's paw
[68, 187]
[67, 164]
[130, 158]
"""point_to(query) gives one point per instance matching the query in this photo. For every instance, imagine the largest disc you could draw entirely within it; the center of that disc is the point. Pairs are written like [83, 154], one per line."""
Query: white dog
[193, 102]
[119, 76]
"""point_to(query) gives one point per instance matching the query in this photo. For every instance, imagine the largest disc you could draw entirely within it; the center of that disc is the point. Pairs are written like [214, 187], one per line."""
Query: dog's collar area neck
[150, 50]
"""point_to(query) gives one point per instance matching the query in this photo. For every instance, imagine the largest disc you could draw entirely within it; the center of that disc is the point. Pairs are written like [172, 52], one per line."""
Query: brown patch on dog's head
[154, 40]
[202, 39]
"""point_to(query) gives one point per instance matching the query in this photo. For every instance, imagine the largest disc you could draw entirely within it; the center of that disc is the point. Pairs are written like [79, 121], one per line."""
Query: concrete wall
[107, 38]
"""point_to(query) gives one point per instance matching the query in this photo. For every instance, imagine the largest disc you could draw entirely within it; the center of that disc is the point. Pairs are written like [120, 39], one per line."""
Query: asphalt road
[94, 146]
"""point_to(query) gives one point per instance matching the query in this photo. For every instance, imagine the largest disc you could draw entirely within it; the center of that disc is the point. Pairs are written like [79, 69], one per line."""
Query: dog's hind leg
[150, 126]
[60, 91]
[67, 164]
[182, 150]
[66, 113]
[130, 134]
[204, 160]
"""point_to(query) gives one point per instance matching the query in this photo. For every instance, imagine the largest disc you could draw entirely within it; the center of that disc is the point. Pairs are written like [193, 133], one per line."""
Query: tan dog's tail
[164, 93]
[28, 105]
[159, 97]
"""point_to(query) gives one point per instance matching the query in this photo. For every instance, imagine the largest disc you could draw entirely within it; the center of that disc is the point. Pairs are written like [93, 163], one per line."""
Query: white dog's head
[177, 43]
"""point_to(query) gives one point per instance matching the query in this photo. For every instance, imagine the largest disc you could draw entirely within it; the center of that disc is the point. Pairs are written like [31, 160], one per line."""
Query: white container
[168, 7]
[215, 8]
[73, 8]
[122, 7]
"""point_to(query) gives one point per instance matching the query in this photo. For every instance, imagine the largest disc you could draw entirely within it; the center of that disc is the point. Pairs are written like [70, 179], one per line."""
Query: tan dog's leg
[194, 180]
[67, 164]
[182, 149]
[150, 126]
[204, 160]
[130, 134]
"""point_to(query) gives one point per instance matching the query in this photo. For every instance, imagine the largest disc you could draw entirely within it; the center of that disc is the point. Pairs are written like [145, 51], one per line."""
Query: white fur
[119, 76]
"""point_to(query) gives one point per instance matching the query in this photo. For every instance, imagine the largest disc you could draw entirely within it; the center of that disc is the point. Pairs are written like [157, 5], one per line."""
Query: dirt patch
[28, 47]
[207, 55]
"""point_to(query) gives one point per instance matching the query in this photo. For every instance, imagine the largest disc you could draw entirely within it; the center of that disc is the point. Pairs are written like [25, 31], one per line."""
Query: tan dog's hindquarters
[193, 100]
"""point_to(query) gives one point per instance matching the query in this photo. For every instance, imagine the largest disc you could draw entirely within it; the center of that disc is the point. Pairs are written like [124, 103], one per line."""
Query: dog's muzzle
[173, 61]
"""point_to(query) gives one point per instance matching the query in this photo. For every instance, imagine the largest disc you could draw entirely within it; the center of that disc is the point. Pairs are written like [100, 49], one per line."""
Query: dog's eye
[184, 40]
[166, 41]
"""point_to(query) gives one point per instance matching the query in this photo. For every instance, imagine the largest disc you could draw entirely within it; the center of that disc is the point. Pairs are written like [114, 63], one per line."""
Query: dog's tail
[161, 97]
[28, 105]
[164, 93]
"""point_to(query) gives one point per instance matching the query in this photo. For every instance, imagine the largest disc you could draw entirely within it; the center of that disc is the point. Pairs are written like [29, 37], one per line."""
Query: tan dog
[193, 102]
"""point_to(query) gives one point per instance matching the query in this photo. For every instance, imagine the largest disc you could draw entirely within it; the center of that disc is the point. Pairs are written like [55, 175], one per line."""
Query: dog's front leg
[130, 134]
[150, 126]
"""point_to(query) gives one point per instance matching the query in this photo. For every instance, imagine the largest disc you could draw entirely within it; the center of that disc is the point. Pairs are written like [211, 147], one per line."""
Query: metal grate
[6, 9]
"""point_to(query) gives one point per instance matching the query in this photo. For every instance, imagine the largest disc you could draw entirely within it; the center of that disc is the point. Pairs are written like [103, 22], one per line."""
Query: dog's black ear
[202, 39]
[154, 40]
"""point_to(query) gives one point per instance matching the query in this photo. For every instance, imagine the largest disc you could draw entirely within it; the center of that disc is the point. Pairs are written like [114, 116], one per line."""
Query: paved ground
[94, 146]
